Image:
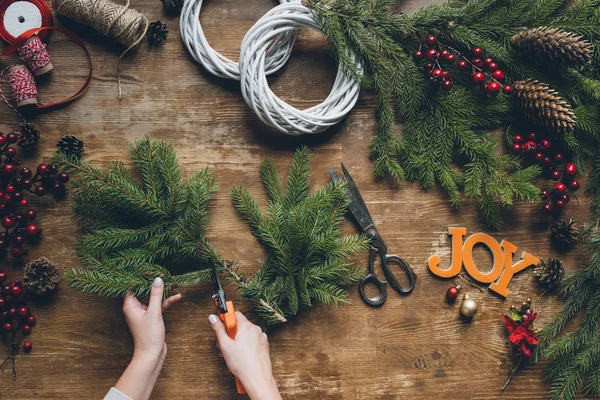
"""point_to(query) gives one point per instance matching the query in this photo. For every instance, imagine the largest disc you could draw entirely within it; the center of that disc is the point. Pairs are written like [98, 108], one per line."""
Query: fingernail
[213, 319]
[158, 282]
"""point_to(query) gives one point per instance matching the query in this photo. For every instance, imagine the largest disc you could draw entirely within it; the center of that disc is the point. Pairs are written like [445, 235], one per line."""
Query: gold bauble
[468, 307]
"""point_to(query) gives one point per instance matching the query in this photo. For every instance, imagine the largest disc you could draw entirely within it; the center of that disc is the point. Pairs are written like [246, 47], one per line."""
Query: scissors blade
[357, 206]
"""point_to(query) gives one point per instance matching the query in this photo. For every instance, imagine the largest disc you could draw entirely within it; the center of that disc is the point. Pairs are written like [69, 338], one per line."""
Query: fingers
[169, 301]
[241, 318]
[219, 329]
[156, 295]
[130, 302]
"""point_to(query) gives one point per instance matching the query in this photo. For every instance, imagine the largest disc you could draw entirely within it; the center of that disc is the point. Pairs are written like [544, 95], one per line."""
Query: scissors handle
[230, 322]
[391, 279]
[372, 278]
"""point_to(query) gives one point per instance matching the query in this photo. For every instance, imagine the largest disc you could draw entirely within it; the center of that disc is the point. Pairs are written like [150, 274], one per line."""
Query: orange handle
[231, 328]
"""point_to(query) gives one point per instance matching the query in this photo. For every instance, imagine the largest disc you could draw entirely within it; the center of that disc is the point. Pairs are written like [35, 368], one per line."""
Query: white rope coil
[265, 49]
[216, 63]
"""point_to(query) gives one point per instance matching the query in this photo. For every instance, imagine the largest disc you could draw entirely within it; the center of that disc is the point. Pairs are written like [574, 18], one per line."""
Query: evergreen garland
[575, 356]
[141, 230]
[307, 256]
[443, 142]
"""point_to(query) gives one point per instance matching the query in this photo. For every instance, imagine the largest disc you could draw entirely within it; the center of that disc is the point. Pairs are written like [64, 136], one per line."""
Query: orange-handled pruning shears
[226, 312]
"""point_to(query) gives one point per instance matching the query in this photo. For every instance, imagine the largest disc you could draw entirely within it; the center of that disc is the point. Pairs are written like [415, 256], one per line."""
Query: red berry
[530, 146]
[531, 136]
[565, 197]
[7, 327]
[452, 294]
[418, 55]
[427, 66]
[23, 311]
[507, 89]
[445, 74]
[3, 276]
[516, 148]
[26, 329]
[12, 137]
[33, 230]
[556, 175]
[42, 169]
[432, 54]
[560, 203]
[517, 139]
[560, 187]
[539, 156]
[31, 320]
[8, 168]
[2, 140]
[18, 240]
[498, 74]
[30, 214]
[488, 61]
[493, 87]
[24, 203]
[2, 302]
[17, 252]
[26, 183]
[450, 58]
[40, 191]
[444, 53]
[545, 144]
[478, 62]
[431, 40]
[6, 289]
[558, 157]
[463, 64]
[477, 51]
[447, 85]
[27, 346]
[436, 72]
[12, 311]
[16, 290]
[10, 152]
[574, 185]
[570, 169]
[25, 172]
[8, 222]
[548, 208]
[478, 77]
[53, 169]
[492, 66]
[547, 160]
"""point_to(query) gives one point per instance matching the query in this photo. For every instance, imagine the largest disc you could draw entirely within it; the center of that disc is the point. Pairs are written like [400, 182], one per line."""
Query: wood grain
[414, 347]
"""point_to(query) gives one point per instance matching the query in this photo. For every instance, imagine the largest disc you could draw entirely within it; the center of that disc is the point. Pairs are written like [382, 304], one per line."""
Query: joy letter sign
[503, 268]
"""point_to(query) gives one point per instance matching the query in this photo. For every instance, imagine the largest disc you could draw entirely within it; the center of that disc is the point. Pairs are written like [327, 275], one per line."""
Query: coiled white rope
[265, 49]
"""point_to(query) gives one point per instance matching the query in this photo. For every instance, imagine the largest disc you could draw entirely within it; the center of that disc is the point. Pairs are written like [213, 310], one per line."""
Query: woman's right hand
[247, 357]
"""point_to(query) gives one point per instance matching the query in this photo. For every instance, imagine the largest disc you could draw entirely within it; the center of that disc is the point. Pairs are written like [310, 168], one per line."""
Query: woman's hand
[148, 330]
[247, 357]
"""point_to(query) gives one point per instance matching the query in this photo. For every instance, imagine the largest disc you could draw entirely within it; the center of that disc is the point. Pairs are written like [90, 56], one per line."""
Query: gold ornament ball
[468, 307]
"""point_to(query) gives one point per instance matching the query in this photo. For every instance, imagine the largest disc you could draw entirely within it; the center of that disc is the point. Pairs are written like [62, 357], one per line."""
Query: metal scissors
[359, 210]
[226, 313]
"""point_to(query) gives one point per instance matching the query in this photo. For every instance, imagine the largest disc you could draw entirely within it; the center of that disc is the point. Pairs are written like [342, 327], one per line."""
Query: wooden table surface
[414, 347]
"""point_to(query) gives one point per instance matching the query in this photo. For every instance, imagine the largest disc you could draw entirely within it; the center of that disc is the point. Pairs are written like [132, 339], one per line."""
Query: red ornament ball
[418, 55]
[452, 294]
[478, 77]
[463, 64]
[27, 346]
[493, 87]
[570, 169]
[574, 185]
[477, 51]
[507, 89]
[431, 40]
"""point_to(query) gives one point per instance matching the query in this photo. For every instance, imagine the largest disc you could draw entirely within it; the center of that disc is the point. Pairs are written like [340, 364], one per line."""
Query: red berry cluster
[15, 317]
[558, 197]
[484, 71]
[15, 217]
[538, 150]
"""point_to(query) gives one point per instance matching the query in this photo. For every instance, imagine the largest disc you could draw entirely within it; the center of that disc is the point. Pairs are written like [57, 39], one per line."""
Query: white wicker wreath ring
[265, 49]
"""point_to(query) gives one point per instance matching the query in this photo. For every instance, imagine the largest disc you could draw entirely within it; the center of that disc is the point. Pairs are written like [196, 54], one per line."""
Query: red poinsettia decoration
[521, 335]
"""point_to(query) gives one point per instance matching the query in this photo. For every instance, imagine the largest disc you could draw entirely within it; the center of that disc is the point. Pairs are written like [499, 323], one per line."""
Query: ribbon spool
[19, 16]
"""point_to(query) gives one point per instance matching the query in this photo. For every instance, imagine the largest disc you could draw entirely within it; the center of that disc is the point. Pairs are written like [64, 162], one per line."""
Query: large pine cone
[41, 276]
[544, 106]
[554, 45]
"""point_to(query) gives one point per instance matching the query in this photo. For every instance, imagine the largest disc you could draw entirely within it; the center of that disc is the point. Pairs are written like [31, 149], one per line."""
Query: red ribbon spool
[45, 16]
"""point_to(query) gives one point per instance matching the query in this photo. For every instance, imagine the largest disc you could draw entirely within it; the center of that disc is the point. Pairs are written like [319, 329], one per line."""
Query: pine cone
[157, 32]
[29, 137]
[41, 276]
[172, 6]
[70, 145]
[554, 45]
[544, 106]
[565, 234]
[549, 273]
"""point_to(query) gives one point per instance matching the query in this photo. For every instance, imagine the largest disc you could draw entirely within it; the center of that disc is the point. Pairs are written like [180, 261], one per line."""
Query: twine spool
[119, 22]
[22, 85]
[34, 54]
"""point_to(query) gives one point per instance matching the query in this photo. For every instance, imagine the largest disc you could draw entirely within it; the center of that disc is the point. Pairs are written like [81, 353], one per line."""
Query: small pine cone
[157, 32]
[553, 45]
[71, 146]
[565, 234]
[29, 137]
[172, 6]
[549, 273]
[544, 106]
[41, 276]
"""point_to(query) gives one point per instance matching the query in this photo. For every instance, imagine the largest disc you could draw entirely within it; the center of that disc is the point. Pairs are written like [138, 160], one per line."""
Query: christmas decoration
[502, 270]
[141, 230]
[15, 319]
[544, 106]
[558, 197]
[522, 335]
[442, 141]
[564, 234]
[41, 276]
[549, 273]
[172, 6]
[71, 146]
[307, 255]
[157, 32]
[546, 44]
[29, 137]
[468, 307]
[452, 293]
